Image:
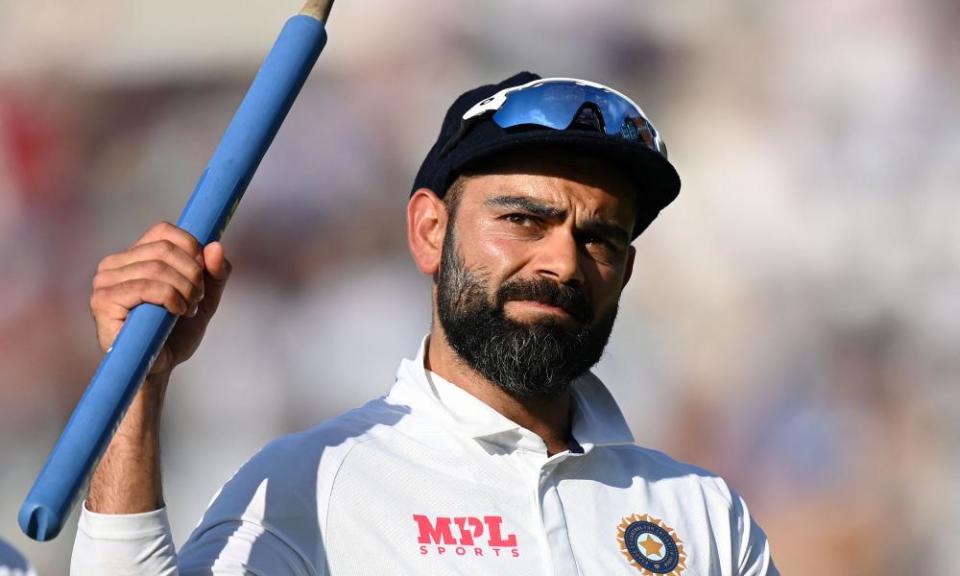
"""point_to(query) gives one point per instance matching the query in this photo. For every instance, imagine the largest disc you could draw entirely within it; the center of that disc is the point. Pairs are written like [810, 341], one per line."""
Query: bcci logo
[651, 546]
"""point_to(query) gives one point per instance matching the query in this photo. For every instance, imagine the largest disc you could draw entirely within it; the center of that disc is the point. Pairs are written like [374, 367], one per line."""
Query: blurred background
[793, 322]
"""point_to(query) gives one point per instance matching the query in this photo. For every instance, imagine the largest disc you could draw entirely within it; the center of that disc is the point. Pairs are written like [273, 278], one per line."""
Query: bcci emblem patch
[651, 546]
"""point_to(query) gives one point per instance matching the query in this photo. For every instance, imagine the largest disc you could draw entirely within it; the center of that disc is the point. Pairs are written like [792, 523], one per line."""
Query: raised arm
[167, 267]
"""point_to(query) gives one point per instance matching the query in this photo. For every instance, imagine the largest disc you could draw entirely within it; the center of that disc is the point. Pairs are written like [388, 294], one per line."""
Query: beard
[534, 359]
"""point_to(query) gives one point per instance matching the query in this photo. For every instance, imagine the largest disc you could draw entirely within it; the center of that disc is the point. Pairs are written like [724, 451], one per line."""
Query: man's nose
[558, 257]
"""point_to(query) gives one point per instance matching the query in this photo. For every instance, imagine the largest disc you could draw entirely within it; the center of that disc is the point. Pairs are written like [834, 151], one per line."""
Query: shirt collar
[597, 420]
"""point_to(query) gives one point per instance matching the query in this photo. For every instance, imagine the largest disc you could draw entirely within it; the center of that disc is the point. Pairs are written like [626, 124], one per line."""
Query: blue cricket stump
[123, 369]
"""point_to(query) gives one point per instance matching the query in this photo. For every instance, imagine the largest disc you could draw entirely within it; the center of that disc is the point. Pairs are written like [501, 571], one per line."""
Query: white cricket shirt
[429, 480]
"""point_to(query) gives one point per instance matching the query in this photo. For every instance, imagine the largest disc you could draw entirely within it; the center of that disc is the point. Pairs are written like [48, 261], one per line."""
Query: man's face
[534, 259]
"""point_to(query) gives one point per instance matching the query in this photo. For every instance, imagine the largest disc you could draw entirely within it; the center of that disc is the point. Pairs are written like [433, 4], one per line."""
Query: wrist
[149, 399]
[127, 478]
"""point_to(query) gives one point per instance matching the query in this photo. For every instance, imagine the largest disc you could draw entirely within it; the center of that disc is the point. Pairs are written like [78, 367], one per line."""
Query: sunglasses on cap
[564, 104]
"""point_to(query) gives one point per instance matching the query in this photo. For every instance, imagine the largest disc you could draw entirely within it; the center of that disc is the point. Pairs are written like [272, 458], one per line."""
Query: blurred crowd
[793, 322]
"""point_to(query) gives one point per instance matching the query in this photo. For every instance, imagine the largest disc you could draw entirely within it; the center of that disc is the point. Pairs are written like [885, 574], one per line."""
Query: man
[496, 451]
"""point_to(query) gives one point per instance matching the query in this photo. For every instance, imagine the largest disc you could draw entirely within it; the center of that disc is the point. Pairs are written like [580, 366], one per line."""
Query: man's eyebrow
[528, 205]
[598, 227]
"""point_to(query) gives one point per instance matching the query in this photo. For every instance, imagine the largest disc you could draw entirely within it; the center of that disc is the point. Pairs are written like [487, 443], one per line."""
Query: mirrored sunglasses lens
[615, 110]
[557, 104]
[550, 105]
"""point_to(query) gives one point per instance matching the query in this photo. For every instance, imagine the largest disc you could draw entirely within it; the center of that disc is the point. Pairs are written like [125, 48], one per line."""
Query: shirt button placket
[554, 520]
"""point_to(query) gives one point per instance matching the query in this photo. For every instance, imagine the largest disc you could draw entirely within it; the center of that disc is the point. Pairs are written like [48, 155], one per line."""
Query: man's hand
[167, 267]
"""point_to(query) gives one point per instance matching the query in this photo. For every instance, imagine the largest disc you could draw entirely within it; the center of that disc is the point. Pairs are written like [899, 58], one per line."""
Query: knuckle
[98, 300]
[181, 236]
[162, 226]
[166, 247]
[105, 263]
[100, 281]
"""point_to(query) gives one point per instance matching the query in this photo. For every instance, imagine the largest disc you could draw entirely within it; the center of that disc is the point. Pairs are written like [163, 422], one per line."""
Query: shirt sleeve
[123, 544]
[142, 545]
[754, 557]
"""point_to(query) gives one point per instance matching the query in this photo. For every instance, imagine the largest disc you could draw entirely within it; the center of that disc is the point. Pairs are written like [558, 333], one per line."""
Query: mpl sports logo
[465, 536]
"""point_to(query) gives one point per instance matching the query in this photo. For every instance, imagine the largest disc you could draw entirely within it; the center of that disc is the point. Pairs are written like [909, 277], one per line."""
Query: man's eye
[519, 219]
[602, 246]
[598, 241]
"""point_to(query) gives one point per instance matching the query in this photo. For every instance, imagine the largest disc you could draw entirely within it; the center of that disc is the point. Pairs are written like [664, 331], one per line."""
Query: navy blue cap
[657, 182]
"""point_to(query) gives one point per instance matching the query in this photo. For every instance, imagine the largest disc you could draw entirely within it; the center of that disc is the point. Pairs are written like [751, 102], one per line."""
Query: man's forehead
[564, 186]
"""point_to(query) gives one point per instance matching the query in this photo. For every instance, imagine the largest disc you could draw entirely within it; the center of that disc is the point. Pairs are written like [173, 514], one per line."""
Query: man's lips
[541, 306]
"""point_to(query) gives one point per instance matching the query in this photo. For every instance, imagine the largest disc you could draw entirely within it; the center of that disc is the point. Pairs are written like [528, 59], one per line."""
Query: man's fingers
[190, 289]
[166, 267]
[161, 257]
[161, 250]
[132, 292]
[167, 231]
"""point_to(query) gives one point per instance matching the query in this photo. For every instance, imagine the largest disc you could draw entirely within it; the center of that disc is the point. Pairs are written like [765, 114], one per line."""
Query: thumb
[215, 261]
[217, 272]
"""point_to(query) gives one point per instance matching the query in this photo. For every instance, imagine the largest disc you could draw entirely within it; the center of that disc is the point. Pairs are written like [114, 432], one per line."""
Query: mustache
[570, 299]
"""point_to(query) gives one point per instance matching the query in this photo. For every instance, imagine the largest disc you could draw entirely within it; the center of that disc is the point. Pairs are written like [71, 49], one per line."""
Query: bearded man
[496, 451]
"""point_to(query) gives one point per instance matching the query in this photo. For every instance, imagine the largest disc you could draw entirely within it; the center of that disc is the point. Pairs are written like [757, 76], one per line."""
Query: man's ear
[426, 227]
[631, 256]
